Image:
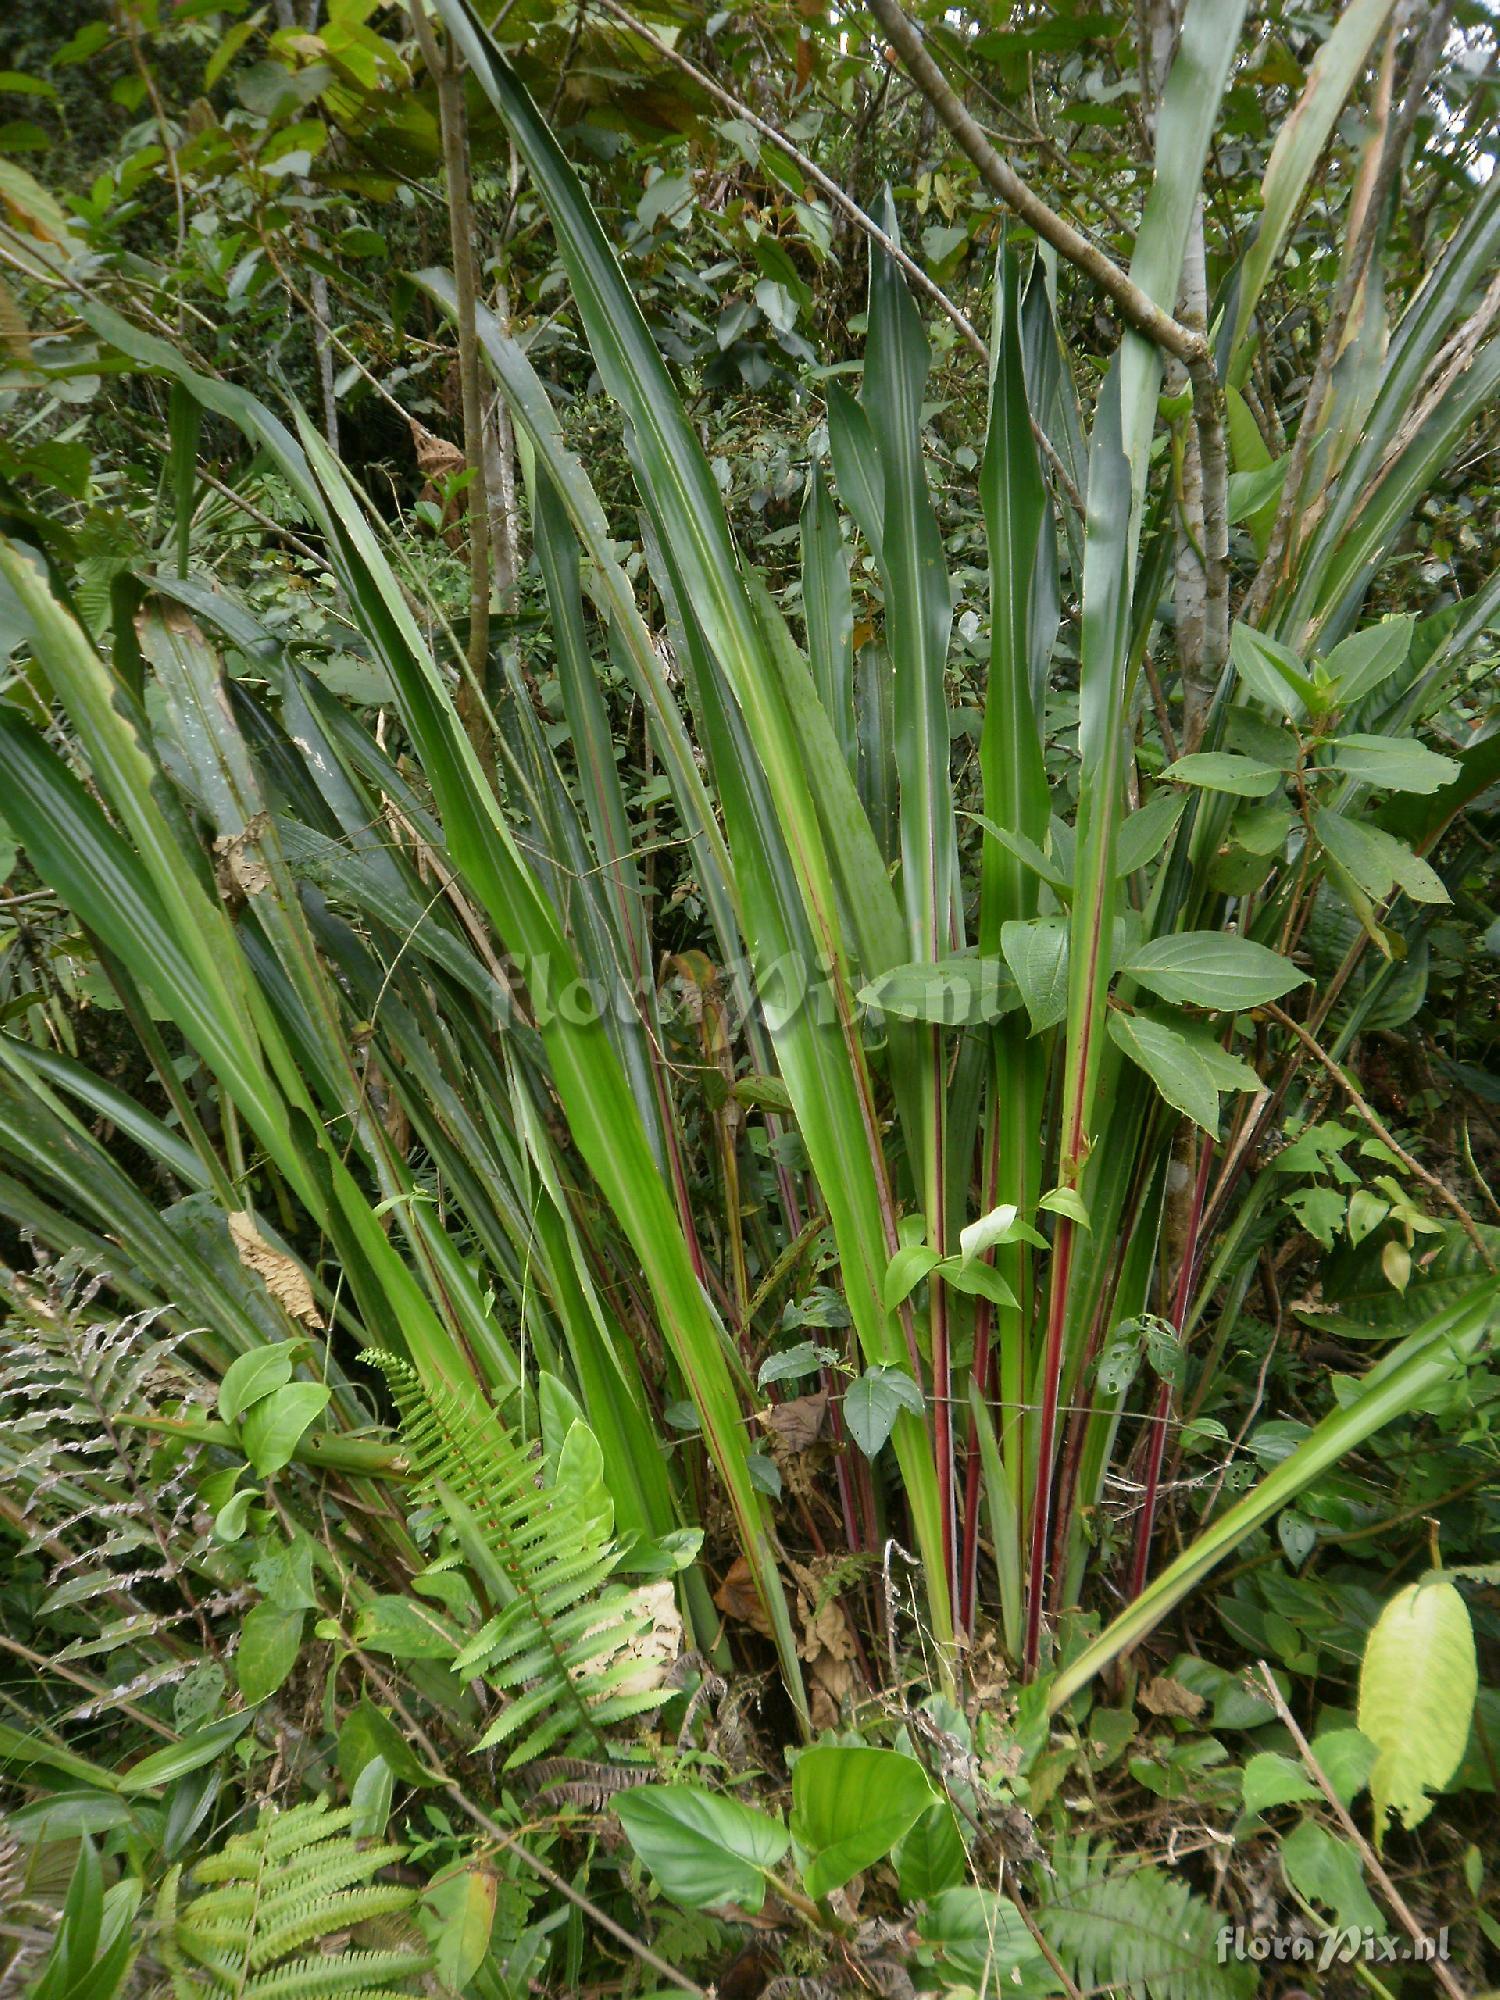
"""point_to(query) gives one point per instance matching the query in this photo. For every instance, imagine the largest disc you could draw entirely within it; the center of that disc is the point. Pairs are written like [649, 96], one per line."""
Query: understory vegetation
[749, 1147]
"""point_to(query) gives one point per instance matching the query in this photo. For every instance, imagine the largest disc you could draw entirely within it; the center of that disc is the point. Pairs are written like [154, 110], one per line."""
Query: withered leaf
[1164, 1696]
[738, 1598]
[797, 1424]
[282, 1276]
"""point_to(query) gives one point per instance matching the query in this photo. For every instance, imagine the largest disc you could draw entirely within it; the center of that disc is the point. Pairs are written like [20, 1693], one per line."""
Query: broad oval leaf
[850, 1807]
[873, 1403]
[270, 1640]
[960, 992]
[1274, 1780]
[1272, 671]
[931, 1857]
[201, 1747]
[700, 1847]
[403, 1627]
[1395, 764]
[1209, 969]
[1173, 1065]
[254, 1375]
[1417, 1686]
[273, 1427]
[1361, 662]
[906, 1270]
[1037, 953]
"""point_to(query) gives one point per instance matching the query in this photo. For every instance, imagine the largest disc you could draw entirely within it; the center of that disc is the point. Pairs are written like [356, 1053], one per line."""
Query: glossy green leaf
[273, 1427]
[850, 1807]
[701, 1847]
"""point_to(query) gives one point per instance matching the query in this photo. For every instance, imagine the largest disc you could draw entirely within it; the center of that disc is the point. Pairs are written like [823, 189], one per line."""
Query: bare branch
[1136, 308]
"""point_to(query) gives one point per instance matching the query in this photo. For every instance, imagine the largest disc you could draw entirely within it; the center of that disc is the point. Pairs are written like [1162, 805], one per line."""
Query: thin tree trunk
[443, 67]
[286, 17]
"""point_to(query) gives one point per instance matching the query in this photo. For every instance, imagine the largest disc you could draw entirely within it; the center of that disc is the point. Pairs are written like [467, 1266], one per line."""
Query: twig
[1382, 1132]
[105, 1695]
[1367, 1853]
[273, 527]
[1138, 310]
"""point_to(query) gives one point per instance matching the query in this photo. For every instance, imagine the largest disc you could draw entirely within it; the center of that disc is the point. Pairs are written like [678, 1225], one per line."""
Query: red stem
[1041, 1511]
[1157, 1443]
[942, 1369]
[983, 1370]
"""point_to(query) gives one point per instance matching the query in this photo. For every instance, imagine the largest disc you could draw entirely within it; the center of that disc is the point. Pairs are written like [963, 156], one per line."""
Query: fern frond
[1132, 1927]
[296, 1884]
[560, 1636]
[122, 1536]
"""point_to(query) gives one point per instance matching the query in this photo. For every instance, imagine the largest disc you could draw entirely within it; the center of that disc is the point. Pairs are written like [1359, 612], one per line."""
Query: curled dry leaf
[282, 1276]
[238, 869]
[798, 1424]
[739, 1600]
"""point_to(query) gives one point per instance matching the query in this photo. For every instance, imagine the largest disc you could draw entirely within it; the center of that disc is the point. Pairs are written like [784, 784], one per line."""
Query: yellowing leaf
[1416, 1698]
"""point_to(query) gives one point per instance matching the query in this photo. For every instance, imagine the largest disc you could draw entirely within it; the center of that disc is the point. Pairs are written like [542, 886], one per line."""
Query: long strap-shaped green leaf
[154, 911]
[1016, 798]
[824, 1070]
[1299, 146]
[589, 1081]
[1184, 128]
[591, 1085]
[1426, 1359]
